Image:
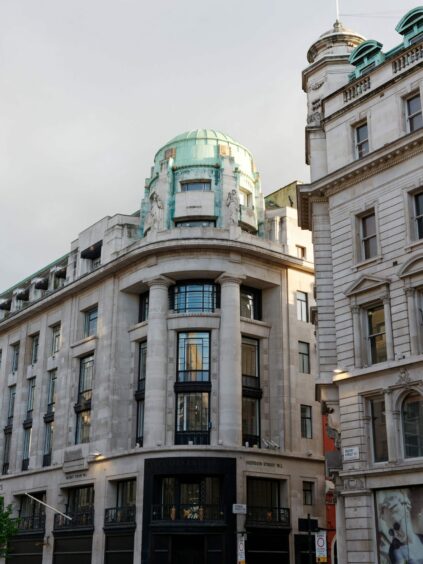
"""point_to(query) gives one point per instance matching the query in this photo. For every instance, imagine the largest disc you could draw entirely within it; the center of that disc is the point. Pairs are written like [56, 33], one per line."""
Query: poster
[399, 521]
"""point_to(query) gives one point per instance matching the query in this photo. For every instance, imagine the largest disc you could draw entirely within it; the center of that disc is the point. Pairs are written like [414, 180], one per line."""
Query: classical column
[412, 320]
[230, 378]
[356, 313]
[388, 329]
[156, 370]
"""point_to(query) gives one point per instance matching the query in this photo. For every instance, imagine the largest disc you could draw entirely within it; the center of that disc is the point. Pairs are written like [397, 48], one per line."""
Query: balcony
[192, 438]
[192, 513]
[120, 516]
[32, 523]
[268, 516]
[82, 519]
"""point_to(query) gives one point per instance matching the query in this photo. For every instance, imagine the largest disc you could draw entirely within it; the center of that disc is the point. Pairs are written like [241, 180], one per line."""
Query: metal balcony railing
[32, 523]
[84, 518]
[268, 515]
[120, 515]
[188, 512]
[192, 437]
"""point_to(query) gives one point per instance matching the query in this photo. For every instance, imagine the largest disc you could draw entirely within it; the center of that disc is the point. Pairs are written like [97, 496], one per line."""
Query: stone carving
[404, 377]
[316, 85]
[315, 117]
[153, 217]
[232, 203]
[354, 484]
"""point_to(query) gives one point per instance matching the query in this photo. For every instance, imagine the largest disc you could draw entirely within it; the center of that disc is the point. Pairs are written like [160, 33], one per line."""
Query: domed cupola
[338, 41]
[202, 178]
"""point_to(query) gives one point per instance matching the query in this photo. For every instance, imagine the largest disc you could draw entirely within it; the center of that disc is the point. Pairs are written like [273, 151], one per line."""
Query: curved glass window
[194, 297]
[412, 421]
[196, 186]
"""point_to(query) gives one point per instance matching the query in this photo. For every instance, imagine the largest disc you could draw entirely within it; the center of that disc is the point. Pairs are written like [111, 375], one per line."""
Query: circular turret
[337, 41]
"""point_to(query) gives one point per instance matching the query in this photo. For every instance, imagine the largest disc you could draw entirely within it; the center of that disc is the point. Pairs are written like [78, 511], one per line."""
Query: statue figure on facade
[152, 220]
[232, 203]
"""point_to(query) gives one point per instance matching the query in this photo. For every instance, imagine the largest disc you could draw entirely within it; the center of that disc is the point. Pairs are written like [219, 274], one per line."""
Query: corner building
[162, 371]
[364, 206]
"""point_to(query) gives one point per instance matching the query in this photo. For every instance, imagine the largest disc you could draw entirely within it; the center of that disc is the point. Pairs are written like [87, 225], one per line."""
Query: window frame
[86, 376]
[304, 360]
[183, 292]
[375, 433]
[197, 434]
[56, 334]
[51, 390]
[254, 299]
[306, 416]
[195, 182]
[15, 357]
[371, 337]
[35, 343]
[409, 117]
[308, 492]
[30, 397]
[303, 311]
[82, 428]
[419, 434]
[362, 146]
[90, 322]
[204, 373]
[365, 253]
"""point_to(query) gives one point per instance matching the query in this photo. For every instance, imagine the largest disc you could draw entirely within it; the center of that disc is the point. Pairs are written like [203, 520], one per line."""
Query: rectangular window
[250, 362]
[196, 185]
[302, 306]
[376, 334]
[86, 371]
[192, 418]
[48, 443]
[142, 366]
[51, 393]
[55, 339]
[144, 303]
[196, 223]
[418, 211]
[34, 348]
[250, 303]
[80, 499]
[308, 493]
[250, 421]
[264, 502]
[140, 422]
[301, 252]
[11, 404]
[188, 297]
[245, 198]
[6, 452]
[362, 140]
[1, 358]
[90, 322]
[193, 357]
[306, 422]
[15, 357]
[30, 398]
[83, 424]
[368, 236]
[380, 440]
[414, 113]
[126, 493]
[26, 448]
[303, 357]
[412, 422]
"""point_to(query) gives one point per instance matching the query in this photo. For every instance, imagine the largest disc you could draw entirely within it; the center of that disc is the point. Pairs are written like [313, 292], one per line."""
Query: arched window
[412, 423]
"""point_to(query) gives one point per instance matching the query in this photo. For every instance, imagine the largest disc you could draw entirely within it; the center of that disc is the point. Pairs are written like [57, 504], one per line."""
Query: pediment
[366, 283]
[413, 266]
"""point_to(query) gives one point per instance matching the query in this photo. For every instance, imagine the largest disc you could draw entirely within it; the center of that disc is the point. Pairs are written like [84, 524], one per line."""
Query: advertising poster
[399, 521]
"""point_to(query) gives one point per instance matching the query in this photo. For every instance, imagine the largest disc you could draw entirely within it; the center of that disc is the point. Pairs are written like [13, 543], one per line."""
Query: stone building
[365, 208]
[163, 371]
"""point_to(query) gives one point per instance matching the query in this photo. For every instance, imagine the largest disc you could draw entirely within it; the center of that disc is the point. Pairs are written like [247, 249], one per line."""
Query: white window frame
[408, 116]
[359, 144]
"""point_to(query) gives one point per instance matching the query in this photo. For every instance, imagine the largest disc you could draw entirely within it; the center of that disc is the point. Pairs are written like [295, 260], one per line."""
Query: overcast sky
[90, 89]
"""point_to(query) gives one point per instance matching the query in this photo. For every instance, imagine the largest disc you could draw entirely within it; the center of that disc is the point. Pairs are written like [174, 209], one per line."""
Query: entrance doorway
[188, 548]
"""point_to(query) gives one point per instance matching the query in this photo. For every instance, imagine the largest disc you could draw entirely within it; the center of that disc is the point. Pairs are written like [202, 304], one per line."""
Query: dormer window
[196, 186]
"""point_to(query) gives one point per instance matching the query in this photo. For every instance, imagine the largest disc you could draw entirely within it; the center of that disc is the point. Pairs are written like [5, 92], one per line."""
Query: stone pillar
[412, 320]
[230, 378]
[341, 545]
[358, 360]
[156, 371]
[388, 329]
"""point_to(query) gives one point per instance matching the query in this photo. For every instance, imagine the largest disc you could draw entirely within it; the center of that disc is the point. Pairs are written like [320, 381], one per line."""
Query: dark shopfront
[187, 515]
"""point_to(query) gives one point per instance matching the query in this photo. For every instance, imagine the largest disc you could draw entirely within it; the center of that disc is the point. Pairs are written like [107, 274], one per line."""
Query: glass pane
[193, 412]
[190, 493]
[416, 122]
[414, 105]
[262, 493]
[376, 318]
[250, 416]
[370, 247]
[193, 357]
[380, 440]
[369, 225]
[362, 133]
[249, 357]
[413, 426]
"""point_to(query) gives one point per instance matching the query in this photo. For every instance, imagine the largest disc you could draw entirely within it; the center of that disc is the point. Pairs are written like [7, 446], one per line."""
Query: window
[412, 421]
[308, 493]
[125, 493]
[48, 443]
[418, 210]
[51, 393]
[6, 452]
[376, 334]
[15, 357]
[250, 303]
[140, 422]
[86, 371]
[30, 398]
[414, 113]
[194, 297]
[80, 499]
[380, 440]
[196, 186]
[306, 422]
[303, 357]
[83, 423]
[90, 322]
[31, 513]
[251, 392]
[192, 418]
[264, 502]
[196, 223]
[362, 140]
[250, 362]
[193, 357]
[250, 421]
[142, 365]
[301, 252]
[11, 404]
[55, 339]
[144, 303]
[368, 236]
[245, 198]
[26, 448]
[1, 357]
[34, 348]
[302, 306]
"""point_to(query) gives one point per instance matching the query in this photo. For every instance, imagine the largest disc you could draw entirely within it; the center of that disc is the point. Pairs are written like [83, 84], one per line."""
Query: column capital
[355, 309]
[229, 278]
[159, 281]
[409, 291]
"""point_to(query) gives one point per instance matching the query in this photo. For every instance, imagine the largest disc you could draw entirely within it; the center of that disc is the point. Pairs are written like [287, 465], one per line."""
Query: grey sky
[90, 89]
